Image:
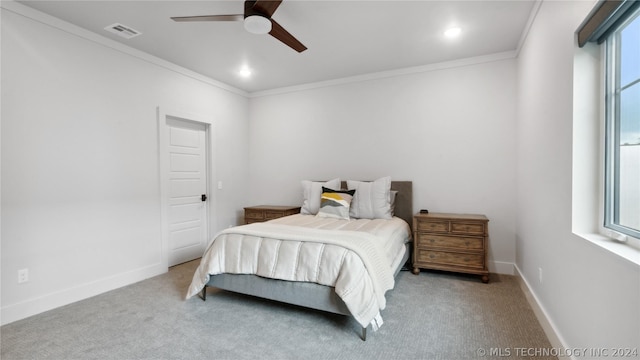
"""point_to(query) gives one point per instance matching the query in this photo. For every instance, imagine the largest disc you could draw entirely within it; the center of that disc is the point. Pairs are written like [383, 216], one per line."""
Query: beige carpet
[431, 316]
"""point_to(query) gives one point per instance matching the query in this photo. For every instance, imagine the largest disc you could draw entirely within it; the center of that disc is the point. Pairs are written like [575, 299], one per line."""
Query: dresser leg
[485, 279]
[415, 271]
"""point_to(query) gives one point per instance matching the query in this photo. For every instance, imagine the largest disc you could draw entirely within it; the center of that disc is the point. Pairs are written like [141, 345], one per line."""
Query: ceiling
[344, 38]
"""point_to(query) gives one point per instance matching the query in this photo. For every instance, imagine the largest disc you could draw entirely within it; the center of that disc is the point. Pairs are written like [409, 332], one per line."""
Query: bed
[312, 276]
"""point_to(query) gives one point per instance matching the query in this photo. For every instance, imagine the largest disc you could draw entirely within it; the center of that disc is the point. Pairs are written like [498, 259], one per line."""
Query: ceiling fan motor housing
[250, 11]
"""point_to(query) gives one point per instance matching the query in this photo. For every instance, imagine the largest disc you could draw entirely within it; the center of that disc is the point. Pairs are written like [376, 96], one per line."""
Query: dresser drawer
[434, 226]
[467, 228]
[450, 258]
[450, 242]
[254, 214]
[273, 214]
[262, 213]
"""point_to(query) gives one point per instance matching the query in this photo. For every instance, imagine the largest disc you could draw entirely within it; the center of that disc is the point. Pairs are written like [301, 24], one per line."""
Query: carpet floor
[434, 315]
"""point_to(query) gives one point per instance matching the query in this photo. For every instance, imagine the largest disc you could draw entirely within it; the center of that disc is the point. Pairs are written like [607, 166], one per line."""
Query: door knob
[203, 197]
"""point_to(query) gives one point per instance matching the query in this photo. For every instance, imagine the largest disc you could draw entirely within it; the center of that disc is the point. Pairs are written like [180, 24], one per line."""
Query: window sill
[621, 249]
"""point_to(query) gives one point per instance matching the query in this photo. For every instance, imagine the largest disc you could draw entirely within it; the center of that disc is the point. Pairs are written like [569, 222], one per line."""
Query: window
[622, 127]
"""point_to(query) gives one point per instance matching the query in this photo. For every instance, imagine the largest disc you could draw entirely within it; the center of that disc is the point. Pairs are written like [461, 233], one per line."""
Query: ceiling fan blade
[237, 17]
[283, 35]
[266, 7]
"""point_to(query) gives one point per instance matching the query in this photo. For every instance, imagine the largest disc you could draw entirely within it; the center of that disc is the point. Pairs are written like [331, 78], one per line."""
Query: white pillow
[312, 192]
[392, 195]
[372, 200]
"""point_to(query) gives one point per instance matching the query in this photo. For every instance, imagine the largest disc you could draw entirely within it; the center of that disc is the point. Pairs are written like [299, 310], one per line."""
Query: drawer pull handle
[432, 256]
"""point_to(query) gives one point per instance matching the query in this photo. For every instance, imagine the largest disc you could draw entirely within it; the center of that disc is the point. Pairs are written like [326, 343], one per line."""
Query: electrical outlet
[540, 275]
[23, 276]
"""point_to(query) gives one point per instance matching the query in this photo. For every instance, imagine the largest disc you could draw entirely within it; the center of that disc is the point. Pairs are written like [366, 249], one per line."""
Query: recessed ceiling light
[245, 72]
[452, 32]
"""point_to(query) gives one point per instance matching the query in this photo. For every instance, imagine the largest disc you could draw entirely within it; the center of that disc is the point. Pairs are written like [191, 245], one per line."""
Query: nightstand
[262, 213]
[451, 242]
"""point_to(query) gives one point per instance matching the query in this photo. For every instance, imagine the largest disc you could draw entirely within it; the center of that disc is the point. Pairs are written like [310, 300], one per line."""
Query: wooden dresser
[451, 242]
[267, 212]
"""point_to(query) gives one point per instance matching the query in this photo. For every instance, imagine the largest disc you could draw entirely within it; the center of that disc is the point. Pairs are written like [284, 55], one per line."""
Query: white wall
[449, 130]
[80, 169]
[590, 295]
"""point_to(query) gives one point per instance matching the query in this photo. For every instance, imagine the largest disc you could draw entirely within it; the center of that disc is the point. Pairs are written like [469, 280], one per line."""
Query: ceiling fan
[257, 20]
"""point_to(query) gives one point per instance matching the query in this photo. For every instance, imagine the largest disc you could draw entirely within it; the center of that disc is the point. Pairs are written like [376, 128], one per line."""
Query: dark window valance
[604, 17]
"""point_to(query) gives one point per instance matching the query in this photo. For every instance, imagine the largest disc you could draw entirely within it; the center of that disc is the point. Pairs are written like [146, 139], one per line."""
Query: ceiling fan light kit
[257, 24]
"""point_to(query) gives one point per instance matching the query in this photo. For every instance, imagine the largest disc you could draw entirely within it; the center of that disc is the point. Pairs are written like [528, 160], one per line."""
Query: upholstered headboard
[404, 199]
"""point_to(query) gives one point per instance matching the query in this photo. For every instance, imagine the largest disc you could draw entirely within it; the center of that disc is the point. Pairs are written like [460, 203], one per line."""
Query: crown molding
[391, 73]
[527, 28]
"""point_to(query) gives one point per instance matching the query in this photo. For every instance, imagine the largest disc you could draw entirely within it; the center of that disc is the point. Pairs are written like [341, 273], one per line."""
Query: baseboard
[545, 321]
[501, 267]
[25, 309]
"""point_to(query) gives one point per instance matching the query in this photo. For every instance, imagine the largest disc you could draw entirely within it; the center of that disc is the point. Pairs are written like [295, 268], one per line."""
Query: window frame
[613, 91]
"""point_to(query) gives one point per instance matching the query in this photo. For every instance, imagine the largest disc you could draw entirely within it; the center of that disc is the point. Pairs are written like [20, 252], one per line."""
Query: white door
[187, 190]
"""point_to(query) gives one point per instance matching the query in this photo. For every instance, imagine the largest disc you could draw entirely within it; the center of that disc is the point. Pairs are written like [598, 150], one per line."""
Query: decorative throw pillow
[312, 190]
[372, 199]
[335, 203]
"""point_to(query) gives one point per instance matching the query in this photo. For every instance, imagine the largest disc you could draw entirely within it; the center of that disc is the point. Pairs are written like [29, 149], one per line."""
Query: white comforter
[355, 257]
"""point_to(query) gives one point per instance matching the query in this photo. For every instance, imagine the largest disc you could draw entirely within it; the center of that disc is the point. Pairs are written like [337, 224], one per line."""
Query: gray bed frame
[306, 294]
